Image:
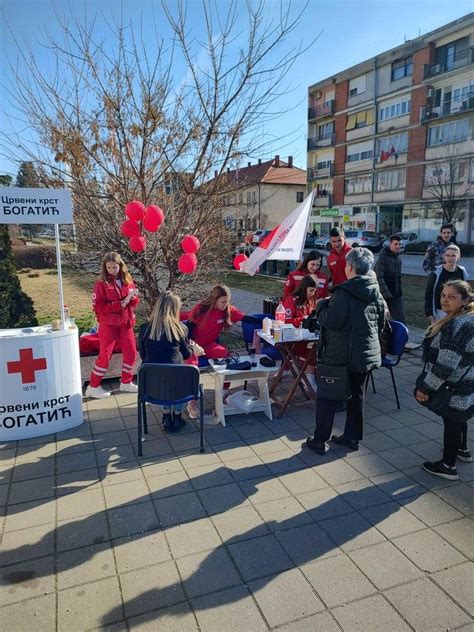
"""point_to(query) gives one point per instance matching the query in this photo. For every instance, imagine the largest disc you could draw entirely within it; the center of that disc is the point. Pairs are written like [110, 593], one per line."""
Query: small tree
[120, 117]
[447, 184]
[16, 307]
[27, 176]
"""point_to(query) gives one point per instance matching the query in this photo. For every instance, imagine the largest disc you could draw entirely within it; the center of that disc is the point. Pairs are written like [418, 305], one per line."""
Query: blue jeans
[177, 408]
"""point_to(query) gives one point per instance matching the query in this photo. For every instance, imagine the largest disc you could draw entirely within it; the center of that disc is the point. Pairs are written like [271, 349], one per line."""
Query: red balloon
[238, 260]
[137, 243]
[187, 263]
[153, 216]
[135, 210]
[149, 224]
[190, 244]
[130, 228]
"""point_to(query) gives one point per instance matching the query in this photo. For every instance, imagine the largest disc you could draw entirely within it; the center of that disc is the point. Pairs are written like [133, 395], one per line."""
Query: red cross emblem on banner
[27, 366]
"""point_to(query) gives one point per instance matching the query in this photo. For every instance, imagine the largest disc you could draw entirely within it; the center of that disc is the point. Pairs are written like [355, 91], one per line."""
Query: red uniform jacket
[106, 302]
[295, 314]
[337, 265]
[209, 325]
[294, 279]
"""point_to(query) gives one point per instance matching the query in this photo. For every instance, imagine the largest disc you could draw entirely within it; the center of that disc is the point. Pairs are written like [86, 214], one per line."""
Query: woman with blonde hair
[164, 340]
[114, 300]
[448, 347]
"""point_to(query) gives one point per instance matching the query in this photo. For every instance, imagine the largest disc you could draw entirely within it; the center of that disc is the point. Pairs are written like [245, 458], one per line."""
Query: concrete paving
[257, 533]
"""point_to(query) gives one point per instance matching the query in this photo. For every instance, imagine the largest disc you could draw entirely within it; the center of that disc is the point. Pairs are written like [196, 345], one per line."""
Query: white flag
[285, 242]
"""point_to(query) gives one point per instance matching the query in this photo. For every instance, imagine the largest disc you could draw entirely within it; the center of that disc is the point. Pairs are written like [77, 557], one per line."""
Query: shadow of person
[265, 551]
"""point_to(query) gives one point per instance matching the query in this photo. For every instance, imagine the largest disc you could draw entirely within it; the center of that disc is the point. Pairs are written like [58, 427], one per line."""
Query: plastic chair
[397, 345]
[168, 385]
[248, 330]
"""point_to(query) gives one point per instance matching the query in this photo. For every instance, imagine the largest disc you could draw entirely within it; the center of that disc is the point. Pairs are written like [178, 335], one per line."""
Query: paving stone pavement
[254, 534]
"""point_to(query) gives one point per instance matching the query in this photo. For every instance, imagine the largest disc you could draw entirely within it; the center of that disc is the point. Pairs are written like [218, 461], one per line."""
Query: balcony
[459, 59]
[314, 173]
[325, 109]
[447, 108]
[326, 141]
[322, 199]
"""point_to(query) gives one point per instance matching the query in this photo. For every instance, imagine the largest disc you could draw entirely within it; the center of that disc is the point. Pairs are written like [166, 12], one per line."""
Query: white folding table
[259, 373]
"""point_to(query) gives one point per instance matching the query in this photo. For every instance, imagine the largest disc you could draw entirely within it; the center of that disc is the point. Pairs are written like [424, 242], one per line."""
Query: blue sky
[351, 31]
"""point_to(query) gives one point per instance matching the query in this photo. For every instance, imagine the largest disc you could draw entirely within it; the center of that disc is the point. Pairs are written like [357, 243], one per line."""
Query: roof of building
[274, 171]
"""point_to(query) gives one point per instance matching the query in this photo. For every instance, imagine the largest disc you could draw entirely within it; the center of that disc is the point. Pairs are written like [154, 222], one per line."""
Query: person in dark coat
[435, 251]
[356, 307]
[449, 271]
[388, 269]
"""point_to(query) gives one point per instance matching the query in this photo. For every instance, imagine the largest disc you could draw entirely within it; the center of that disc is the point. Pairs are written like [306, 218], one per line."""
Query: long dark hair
[311, 256]
[300, 292]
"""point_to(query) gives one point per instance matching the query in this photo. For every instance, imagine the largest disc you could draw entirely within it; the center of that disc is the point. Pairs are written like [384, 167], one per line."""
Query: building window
[452, 132]
[395, 109]
[357, 85]
[325, 131]
[361, 119]
[299, 197]
[402, 68]
[363, 155]
[325, 164]
[390, 180]
[398, 141]
[357, 185]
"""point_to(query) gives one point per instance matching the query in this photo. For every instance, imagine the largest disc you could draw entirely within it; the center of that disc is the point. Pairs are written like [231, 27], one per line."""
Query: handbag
[334, 382]
[438, 402]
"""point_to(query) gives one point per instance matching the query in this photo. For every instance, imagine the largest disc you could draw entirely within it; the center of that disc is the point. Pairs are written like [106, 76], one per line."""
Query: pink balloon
[238, 260]
[153, 219]
[137, 243]
[135, 210]
[130, 228]
[187, 263]
[190, 244]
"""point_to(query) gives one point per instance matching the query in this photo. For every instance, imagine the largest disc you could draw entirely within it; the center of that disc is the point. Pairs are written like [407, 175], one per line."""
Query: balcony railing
[322, 199]
[460, 58]
[325, 109]
[327, 141]
[447, 108]
[314, 173]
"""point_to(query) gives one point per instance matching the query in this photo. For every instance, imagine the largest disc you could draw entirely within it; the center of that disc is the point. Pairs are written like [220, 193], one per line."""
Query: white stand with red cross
[40, 370]
[40, 382]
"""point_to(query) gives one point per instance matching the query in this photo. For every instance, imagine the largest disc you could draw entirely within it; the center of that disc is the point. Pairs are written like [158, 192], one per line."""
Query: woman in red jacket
[311, 265]
[114, 301]
[301, 302]
[298, 306]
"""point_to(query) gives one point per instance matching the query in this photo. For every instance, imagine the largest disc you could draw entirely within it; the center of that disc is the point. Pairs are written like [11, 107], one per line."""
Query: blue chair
[168, 385]
[397, 346]
[248, 330]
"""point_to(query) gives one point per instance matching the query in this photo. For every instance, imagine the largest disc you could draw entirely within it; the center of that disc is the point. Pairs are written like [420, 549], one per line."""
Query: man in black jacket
[389, 275]
[354, 314]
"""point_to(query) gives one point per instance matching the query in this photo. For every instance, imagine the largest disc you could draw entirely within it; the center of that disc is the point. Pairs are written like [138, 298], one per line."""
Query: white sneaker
[129, 387]
[97, 392]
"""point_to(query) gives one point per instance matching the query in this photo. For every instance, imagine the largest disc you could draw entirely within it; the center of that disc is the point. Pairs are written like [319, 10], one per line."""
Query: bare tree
[113, 123]
[447, 184]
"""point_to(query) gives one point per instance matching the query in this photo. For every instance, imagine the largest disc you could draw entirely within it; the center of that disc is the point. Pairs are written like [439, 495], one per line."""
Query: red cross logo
[27, 366]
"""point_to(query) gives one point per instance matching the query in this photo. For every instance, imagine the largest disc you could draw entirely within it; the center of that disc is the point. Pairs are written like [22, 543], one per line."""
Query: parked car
[323, 242]
[366, 238]
[310, 241]
[406, 238]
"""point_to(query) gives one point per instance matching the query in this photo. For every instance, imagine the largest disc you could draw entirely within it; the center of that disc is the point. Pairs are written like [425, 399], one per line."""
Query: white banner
[21, 205]
[285, 242]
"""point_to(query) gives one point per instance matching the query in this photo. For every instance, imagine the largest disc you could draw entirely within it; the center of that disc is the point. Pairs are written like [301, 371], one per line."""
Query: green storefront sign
[329, 212]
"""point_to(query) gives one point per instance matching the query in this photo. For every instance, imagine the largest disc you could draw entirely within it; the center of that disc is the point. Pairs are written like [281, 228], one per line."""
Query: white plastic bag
[243, 400]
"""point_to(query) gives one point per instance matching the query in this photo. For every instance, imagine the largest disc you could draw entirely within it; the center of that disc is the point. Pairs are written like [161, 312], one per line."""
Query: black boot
[167, 422]
[178, 422]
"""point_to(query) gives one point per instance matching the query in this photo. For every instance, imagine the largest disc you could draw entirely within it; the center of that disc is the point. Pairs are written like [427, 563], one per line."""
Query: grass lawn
[43, 289]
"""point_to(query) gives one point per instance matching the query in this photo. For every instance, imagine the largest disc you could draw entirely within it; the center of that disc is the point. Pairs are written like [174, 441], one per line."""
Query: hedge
[38, 257]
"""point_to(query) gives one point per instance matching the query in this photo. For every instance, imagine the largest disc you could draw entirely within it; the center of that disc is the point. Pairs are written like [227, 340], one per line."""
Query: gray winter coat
[357, 305]
[451, 353]
[388, 269]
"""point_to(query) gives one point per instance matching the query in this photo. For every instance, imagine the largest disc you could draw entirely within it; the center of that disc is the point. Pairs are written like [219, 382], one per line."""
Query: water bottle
[66, 315]
[280, 313]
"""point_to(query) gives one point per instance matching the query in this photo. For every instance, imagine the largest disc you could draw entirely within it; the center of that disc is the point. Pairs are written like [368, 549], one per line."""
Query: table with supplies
[222, 374]
[288, 343]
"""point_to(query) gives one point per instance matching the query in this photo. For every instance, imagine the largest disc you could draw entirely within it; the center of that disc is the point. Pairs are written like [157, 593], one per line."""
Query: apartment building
[391, 140]
[261, 195]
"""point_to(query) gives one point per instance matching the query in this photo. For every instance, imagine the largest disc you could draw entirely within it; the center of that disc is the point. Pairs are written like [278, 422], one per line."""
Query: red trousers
[108, 334]
[211, 350]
